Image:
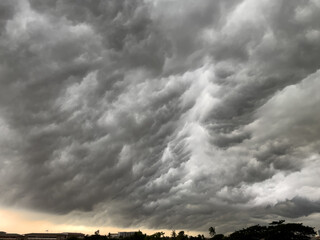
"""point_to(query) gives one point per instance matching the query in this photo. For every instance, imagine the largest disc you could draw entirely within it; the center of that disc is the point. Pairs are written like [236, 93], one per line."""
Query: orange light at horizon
[13, 221]
[22, 222]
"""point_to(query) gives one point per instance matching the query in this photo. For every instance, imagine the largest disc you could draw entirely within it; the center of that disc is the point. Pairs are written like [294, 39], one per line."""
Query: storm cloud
[161, 114]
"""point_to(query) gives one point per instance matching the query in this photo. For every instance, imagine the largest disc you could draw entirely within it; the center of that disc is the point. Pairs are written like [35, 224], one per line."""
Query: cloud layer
[162, 114]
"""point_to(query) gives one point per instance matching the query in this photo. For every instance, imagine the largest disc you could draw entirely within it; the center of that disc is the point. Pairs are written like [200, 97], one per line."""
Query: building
[126, 234]
[113, 235]
[45, 236]
[10, 236]
[74, 235]
[53, 236]
[121, 234]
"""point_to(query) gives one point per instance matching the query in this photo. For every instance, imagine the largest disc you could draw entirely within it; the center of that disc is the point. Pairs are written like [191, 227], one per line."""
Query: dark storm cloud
[162, 114]
[297, 207]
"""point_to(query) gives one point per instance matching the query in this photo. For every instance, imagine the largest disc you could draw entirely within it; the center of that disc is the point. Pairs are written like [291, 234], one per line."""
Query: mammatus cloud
[162, 114]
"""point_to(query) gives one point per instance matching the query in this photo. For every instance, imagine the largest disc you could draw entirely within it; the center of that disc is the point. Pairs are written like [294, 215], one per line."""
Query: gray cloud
[160, 114]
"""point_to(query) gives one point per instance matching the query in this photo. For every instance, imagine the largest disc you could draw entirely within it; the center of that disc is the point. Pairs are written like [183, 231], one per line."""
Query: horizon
[147, 232]
[35, 222]
[159, 114]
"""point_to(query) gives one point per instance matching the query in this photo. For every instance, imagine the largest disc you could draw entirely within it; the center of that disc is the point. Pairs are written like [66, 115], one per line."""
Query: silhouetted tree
[182, 236]
[275, 231]
[212, 231]
[289, 231]
[277, 222]
[218, 237]
[156, 236]
[256, 232]
[199, 237]
[96, 237]
[137, 236]
[173, 234]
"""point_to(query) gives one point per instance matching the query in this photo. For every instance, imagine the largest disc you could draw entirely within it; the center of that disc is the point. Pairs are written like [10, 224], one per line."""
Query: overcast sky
[161, 114]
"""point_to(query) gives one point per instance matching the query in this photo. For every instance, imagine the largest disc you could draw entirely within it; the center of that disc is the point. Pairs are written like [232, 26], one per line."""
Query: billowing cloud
[161, 114]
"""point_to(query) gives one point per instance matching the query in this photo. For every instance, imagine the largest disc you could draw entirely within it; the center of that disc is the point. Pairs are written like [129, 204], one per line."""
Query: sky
[158, 114]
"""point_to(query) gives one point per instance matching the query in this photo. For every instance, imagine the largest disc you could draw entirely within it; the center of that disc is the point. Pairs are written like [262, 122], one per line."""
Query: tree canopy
[275, 231]
[212, 231]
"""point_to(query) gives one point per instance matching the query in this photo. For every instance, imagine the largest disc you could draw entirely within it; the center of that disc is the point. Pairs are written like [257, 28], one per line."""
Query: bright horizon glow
[22, 222]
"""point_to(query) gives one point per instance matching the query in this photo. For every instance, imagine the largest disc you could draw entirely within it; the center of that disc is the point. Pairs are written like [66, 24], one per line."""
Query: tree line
[276, 230]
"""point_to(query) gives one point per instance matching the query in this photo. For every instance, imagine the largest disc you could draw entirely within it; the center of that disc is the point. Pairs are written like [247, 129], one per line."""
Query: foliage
[218, 237]
[275, 231]
[212, 231]
[96, 237]
[199, 237]
[256, 232]
[290, 231]
[182, 236]
[136, 236]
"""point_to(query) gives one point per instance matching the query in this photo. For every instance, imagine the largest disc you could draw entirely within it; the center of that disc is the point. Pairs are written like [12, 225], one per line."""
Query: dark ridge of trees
[276, 230]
